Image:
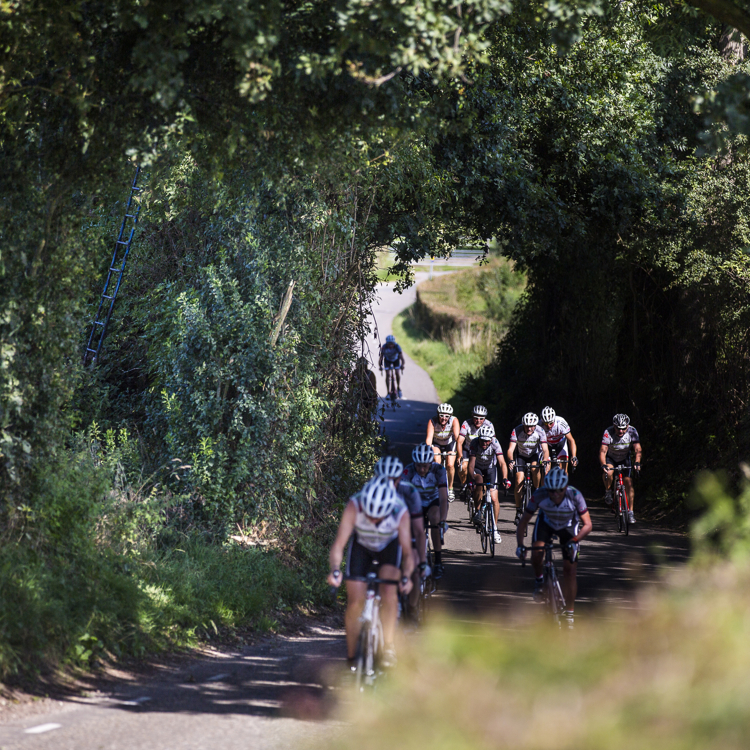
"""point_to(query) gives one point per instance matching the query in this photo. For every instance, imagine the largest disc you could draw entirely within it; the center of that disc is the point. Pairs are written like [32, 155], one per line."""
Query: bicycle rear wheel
[527, 491]
[622, 505]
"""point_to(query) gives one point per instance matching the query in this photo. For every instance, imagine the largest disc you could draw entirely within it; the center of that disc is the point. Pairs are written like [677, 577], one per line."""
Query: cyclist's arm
[603, 455]
[401, 359]
[404, 539]
[455, 430]
[585, 529]
[346, 527]
[430, 433]
[637, 449]
[511, 451]
[503, 466]
[417, 527]
[573, 447]
[545, 451]
[460, 446]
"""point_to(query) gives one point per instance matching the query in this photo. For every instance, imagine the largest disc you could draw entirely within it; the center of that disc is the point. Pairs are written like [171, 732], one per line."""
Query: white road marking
[217, 677]
[42, 728]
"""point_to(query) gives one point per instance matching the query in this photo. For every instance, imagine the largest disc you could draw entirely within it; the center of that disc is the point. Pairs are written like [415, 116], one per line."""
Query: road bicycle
[427, 585]
[487, 522]
[390, 384]
[552, 595]
[620, 504]
[371, 642]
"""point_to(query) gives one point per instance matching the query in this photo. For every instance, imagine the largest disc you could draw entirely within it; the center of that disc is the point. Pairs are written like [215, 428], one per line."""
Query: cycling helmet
[378, 497]
[479, 411]
[445, 409]
[390, 339]
[530, 419]
[621, 421]
[423, 454]
[548, 414]
[486, 432]
[557, 479]
[389, 466]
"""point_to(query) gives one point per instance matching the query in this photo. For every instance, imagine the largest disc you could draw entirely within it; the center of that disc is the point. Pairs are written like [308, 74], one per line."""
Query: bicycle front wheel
[489, 524]
[360, 675]
[483, 531]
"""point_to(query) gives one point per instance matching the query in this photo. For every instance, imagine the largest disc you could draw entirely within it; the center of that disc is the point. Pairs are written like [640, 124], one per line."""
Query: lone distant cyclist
[392, 361]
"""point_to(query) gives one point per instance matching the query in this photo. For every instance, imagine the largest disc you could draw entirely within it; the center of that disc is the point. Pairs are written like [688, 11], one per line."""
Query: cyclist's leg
[397, 376]
[478, 488]
[570, 569]
[389, 602]
[415, 580]
[436, 451]
[629, 489]
[562, 457]
[608, 475]
[433, 517]
[450, 468]
[463, 471]
[536, 474]
[518, 487]
[355, 600]
[495, 504]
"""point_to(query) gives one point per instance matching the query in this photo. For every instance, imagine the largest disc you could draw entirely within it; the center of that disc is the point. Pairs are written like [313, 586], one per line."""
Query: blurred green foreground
[673, 672]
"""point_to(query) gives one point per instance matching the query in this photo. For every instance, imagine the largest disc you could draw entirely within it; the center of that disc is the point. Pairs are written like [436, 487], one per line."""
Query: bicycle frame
[621, 502]
[553, 595]
[371, 640]
[487, 530]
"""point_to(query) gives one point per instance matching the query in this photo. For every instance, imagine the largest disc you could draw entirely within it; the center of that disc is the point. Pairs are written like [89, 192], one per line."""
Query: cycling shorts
[449, 447]
[627, 471]
[556, 452]
[434, 504]
[360, 561]
[489, 474]
[522, 463]
[543, 532]
[391, 365]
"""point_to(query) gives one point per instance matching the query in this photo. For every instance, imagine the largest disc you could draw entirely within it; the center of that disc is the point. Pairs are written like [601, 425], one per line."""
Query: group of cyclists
[385, 524]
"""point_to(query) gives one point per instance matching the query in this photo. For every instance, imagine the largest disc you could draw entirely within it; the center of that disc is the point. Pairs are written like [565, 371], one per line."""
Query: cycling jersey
[443, 436]
[528, 445]
[391, 353]
[557, 436]
[485, 457]
[469, 431]
[411, 497]
[561, 516]
[377, 536]
[428, 485]
[618, 447]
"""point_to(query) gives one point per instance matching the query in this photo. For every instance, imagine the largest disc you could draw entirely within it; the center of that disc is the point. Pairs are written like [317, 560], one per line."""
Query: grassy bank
[455, 330]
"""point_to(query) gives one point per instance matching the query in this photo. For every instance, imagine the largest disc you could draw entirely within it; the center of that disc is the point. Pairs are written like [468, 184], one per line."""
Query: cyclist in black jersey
[392, 361]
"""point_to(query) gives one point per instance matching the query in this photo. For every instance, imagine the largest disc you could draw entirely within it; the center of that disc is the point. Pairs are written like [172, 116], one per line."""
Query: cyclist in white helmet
[485, 456]
[377, 521]
[560, 440]
[528, 444]
[431, 480]
[468, 432]
[442, 435]
[620, 445]
[562, 512]
[392, 360]
[391, 467]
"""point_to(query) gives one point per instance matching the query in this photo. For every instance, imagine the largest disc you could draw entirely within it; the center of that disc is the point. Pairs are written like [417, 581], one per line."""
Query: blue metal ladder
[114, 275]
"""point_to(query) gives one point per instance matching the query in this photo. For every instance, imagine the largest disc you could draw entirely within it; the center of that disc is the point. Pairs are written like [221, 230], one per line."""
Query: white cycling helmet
[479, 411]
[486, 432]
[378, 497]
[548, 414]
[557, 479]
[621, 421]
[530, 419]
[423, 454]
[389, 466]
[445, 409]
[390, 339]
